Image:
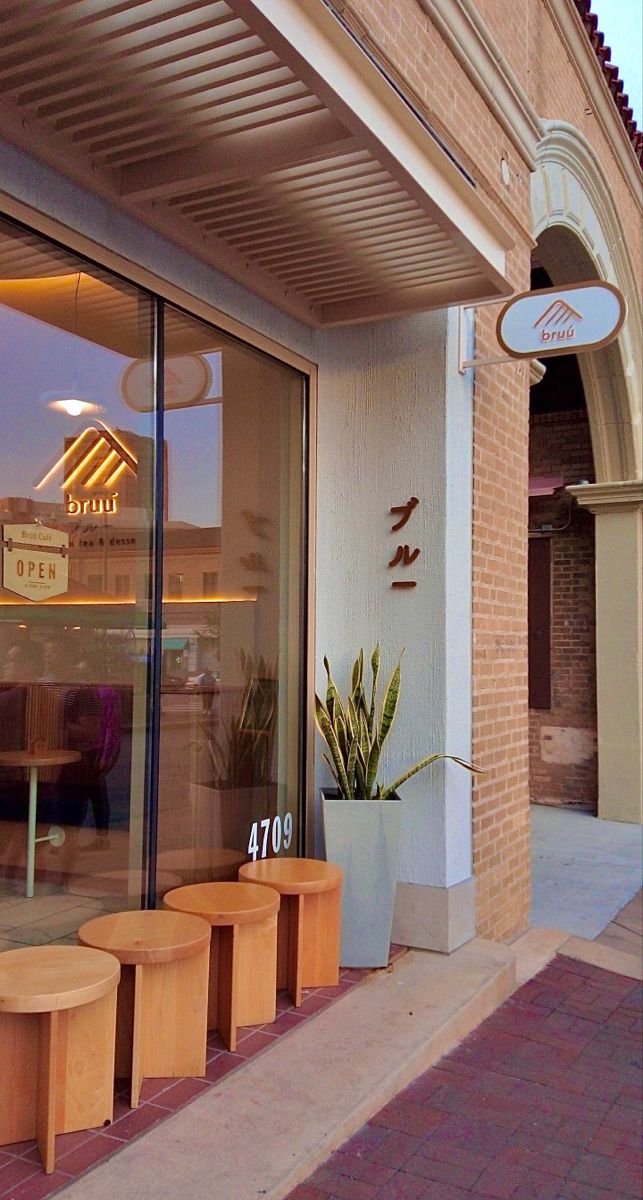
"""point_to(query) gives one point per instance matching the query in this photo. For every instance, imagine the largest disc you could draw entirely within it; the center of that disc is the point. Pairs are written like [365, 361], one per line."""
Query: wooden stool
[161, 1024]
[309, 919]
[243, 951]
[57, 1024]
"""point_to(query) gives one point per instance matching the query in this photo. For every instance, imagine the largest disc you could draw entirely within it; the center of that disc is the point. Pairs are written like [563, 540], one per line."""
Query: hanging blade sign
[568, 320]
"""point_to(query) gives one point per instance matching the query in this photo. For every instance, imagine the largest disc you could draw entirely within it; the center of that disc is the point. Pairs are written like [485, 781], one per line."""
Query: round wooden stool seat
[161, 1024]
[309, 919]
[224, 903]
[243, 951]
[57, 1023]
[146, 937]
[293, 876]
[50, 978]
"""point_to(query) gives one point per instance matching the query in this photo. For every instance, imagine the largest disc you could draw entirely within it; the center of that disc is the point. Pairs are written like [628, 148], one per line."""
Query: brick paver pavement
[542, 1102]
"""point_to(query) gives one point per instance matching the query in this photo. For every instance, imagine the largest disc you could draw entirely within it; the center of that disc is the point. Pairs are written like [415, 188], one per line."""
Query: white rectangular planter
[363, 838]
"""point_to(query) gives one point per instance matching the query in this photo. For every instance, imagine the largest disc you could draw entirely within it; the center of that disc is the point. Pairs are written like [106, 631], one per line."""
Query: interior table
[33, 760]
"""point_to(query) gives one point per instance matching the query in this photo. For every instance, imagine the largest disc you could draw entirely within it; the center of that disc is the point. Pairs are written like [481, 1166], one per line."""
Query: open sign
[28, 569]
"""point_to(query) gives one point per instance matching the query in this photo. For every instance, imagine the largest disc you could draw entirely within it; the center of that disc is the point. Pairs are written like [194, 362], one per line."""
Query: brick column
[618, 508]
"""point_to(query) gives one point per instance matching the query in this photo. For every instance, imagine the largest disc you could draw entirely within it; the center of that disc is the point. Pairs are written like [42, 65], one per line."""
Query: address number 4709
[270, 834]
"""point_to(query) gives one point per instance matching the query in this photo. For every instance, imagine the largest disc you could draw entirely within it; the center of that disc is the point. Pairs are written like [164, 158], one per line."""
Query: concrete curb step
[606, 957]
[264, 1129]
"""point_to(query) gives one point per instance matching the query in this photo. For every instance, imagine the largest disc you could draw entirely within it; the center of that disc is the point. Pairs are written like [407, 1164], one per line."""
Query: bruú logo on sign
[558, 322]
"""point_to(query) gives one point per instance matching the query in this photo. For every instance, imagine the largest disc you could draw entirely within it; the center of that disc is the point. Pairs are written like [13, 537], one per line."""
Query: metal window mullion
[157, 605]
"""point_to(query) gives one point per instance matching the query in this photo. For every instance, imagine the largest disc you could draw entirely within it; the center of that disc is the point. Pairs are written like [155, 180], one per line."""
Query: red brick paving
[542, 1102]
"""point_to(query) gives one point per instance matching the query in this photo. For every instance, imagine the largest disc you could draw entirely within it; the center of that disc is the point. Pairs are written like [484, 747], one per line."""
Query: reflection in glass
[230, 751]
[76, 518]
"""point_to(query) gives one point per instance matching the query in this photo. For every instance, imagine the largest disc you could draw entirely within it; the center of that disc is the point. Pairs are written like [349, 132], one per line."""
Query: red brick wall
[562, 740]
[501, 826]
[413, 49]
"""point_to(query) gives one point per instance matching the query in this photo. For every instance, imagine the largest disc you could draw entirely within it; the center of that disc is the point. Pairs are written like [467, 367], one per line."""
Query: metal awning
[259, 135]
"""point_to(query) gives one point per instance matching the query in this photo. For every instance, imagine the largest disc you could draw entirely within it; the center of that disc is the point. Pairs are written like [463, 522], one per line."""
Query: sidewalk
[542, 1102]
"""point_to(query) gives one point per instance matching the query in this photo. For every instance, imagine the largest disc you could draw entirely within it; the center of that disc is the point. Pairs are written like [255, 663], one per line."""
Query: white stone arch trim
[569, 190]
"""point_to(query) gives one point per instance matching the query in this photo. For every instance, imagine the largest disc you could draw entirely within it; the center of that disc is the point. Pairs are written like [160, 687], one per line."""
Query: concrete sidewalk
[541, 1102]
[266, 1127]
[263, 1130]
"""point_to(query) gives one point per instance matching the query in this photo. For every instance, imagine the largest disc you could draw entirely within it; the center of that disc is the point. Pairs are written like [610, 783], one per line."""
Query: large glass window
[76, 515]
[230, 747]
[102, 772]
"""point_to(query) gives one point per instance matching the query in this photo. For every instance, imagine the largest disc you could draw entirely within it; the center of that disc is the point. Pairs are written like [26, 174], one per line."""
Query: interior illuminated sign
[96, 505]
[97, 462]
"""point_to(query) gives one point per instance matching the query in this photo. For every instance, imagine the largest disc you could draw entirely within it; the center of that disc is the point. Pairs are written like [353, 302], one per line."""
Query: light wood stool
[309, 919]
[161, 1024]
[57, 1024]
[243, 951]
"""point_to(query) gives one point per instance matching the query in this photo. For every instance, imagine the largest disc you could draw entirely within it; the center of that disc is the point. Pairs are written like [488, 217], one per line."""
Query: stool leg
[295, 918]
[319, 945]
[124, 1022]
[48, 1087]
[19, 1060]
[170, 1018]
[255, 976]
[137, 1037]
[86, 1066]
[213, 981]
[227, 985]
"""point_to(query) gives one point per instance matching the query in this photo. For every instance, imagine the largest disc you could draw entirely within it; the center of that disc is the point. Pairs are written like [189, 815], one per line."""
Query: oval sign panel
[581, 316]
[187, 382]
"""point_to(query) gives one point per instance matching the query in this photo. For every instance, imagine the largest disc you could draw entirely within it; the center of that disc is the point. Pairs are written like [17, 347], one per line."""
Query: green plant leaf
[375, 670]
[342, 738]
[364, 740]
[334, 704]
[389, 706]
[325, 727]
[350, 768]
[371, 770]
[332, 769]
[426, 762]
[357, 672]
[360, 779]
[351, 717]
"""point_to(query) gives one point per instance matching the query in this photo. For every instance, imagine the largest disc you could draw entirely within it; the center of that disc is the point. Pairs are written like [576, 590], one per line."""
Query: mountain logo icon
[95, 458]
[558, 322]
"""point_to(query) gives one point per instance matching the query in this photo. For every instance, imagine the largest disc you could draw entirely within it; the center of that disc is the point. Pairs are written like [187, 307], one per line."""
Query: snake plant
[355, 732]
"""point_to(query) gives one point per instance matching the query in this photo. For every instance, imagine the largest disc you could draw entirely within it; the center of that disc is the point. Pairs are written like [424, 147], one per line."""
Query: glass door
[230, 750]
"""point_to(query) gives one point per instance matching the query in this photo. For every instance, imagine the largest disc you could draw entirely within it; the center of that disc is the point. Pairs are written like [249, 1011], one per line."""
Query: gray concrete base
[265, 1128]
[434, 918]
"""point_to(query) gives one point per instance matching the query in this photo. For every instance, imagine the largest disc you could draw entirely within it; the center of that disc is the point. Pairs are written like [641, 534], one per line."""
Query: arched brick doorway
[580, 237]
[563, 760]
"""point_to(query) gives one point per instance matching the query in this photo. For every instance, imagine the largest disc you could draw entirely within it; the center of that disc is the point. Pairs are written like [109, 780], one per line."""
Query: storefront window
[76, 511]
[230, 750]
[81, 528]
